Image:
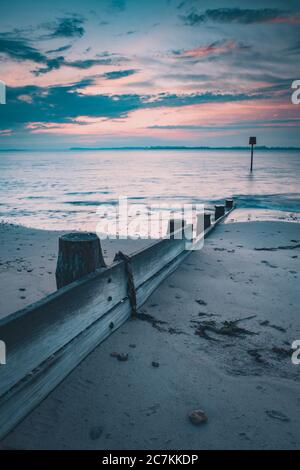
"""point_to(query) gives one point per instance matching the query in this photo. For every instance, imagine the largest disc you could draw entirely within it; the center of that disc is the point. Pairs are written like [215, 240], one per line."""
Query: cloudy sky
[148, 72]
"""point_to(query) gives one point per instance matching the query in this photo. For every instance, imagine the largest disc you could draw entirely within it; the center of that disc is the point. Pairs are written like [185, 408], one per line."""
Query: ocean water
[62, 190]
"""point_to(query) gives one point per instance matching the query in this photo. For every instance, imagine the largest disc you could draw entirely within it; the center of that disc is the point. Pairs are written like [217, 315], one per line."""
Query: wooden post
[79, 254]
[207, 220]
[252, 142]
[219, 211]
[251, 167]
[174, 226]
[229, 204]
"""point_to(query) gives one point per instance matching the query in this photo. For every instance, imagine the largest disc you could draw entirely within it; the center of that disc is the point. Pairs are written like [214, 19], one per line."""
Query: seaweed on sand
[152, 320]
[226, 328]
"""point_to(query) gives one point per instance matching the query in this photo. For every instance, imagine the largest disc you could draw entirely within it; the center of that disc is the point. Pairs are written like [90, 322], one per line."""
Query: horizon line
[152, 147]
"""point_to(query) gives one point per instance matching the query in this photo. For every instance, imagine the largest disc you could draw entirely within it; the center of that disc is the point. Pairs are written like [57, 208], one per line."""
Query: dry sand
[239, 373]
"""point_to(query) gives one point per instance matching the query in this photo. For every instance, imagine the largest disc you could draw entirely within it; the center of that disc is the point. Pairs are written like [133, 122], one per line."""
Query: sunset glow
[131, 74]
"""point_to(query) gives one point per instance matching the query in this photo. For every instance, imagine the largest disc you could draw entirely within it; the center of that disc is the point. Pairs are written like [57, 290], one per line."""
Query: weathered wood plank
[19, 400]
[34, 336]
[38, 332]
[28, 393]
[151, 260]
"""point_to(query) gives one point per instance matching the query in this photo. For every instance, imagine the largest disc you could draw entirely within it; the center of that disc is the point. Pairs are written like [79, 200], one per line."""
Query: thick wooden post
[174, 226]
[219, 211]
[229, 204]
[79, 254]
[207, 220]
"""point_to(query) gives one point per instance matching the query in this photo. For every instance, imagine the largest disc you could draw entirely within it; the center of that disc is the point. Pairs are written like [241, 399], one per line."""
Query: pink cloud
[178, 122]
[204, 51]
[286, 19]
[5, 132]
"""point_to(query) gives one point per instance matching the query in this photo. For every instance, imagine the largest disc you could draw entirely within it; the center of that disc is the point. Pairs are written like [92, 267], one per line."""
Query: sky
[113, 73]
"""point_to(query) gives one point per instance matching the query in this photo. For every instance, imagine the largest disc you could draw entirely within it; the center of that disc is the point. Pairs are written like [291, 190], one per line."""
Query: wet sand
[216, 335]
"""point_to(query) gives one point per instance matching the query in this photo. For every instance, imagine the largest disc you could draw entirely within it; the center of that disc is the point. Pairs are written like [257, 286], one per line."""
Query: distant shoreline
[93, 149]
[182, 148]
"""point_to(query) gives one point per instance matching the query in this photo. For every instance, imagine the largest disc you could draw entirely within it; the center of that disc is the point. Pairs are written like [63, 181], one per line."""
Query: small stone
[120, 356]
[95, 433]
[197, 417]
[275, 414]
[155, 364]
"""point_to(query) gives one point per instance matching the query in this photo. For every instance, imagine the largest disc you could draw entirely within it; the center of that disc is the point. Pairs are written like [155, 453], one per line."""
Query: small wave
[136, 198]
[37, 197]
[281, 202]
[87, 193]
[112, 202]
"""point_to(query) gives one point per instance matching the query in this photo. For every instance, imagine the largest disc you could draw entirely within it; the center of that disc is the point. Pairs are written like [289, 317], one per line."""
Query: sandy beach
[216, 335]
[158, 125]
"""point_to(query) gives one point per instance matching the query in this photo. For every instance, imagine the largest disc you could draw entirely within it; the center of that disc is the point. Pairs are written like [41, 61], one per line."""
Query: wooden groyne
[47, 340]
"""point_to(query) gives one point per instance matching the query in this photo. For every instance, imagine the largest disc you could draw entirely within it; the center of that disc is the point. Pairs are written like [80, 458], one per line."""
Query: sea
[63, 190]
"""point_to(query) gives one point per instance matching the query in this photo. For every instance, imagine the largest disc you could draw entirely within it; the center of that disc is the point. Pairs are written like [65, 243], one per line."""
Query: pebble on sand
[120, 356]
[197, 417]
[96, 432]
